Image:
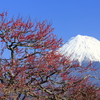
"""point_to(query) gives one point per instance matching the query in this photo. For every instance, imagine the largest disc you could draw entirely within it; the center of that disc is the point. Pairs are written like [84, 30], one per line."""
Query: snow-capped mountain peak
[82, 48]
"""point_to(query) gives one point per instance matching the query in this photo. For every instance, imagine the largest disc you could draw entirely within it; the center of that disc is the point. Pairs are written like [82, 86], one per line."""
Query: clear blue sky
[68, 17]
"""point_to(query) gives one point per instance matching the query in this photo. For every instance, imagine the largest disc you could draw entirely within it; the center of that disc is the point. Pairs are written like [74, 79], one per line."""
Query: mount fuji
[82, 49]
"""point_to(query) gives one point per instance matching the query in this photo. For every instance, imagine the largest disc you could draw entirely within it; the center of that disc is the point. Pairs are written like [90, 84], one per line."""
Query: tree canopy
[35, 70]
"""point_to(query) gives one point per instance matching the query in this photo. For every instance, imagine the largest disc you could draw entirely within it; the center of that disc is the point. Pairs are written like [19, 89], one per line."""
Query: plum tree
[32, 69]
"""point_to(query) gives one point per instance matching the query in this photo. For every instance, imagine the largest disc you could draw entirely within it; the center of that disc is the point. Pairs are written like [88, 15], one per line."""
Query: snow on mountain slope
[82, 48]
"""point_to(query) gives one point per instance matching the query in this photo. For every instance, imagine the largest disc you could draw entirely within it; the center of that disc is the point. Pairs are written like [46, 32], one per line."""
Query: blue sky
[68, 17]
